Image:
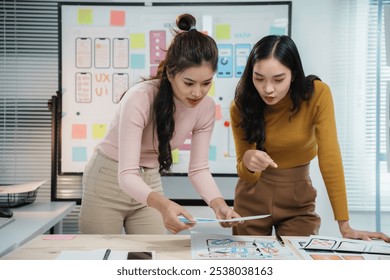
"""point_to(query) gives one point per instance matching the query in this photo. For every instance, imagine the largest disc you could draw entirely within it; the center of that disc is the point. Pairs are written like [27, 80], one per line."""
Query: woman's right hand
[257, 161]
[170, 212]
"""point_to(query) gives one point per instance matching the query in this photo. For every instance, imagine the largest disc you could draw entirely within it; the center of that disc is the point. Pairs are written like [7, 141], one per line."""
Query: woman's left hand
[223, 212]
[348, 232]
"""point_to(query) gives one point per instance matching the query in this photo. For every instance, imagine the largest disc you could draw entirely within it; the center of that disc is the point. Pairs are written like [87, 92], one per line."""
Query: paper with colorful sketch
[218, 246]
[332, 248]
[211, 220]
[347, 245]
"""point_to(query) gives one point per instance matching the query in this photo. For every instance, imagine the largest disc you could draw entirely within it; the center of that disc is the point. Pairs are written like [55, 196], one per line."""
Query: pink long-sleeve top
[130, 141]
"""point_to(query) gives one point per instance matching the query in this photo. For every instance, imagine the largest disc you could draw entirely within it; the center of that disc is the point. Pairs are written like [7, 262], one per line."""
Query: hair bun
[186, 22]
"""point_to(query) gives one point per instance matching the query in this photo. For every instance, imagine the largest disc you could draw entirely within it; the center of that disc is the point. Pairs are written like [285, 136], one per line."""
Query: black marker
[280, 240]
[107, 254]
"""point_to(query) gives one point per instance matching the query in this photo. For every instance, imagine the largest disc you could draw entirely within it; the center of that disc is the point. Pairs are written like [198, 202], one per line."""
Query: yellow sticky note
[175, 156]
[222, 32]
[137, 41]
[99, 131]
[212, 90]
[84, 16]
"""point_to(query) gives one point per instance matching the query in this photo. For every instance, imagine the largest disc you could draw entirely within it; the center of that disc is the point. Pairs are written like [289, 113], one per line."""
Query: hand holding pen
[280, 240]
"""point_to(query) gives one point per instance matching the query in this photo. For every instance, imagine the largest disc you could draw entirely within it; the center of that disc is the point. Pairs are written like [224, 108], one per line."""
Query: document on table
[97, 254]
[347, 245]
[21, 188]
[218, 246]
[332, 248]
[211, 220]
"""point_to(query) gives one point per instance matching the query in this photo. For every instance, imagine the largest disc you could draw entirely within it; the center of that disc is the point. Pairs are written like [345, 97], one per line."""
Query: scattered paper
[217, 246]
[211, 220]
[332, 248]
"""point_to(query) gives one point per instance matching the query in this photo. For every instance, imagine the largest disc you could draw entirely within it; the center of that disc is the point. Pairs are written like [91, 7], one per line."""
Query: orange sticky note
[117, 18]
[79, 131]
[218, 112]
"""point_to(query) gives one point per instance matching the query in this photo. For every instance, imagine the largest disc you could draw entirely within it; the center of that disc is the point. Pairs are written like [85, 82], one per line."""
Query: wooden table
[44, 247]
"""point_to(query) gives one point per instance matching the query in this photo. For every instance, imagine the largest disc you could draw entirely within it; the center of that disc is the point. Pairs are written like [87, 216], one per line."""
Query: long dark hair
[188, 48]
[248, 100]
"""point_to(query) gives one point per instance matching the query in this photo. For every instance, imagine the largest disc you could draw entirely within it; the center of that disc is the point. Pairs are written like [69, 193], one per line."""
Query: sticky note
[137, 41]
[212, 90]
[222, 32]
[137, 61]
[117, 18]
[99, 131]
[79, 131]
[79, 153]
[175, 156]
[213, 153]
[275, 30]
[84, 16]
[218, 112]
[58, 237]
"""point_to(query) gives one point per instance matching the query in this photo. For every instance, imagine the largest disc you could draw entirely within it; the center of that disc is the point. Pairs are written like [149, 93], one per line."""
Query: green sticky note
[79, 154]
[137, 41]
[222, 32]
[137, 61]
[84, 16]
[275, 30]
[212, 153]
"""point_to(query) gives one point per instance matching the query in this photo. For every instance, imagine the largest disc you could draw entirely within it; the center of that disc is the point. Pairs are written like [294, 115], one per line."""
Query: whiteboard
[108, 47]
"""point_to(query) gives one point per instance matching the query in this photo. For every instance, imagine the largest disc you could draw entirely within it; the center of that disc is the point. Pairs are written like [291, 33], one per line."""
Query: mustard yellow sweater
[311, 132]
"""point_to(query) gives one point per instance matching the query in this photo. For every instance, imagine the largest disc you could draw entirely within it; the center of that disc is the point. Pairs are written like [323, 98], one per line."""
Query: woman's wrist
[217, 203]
[157, 201]
[344, 226]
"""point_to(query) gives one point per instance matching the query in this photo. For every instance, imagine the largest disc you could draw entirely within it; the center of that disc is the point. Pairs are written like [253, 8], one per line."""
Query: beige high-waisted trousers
[106, 209]
[286, 194]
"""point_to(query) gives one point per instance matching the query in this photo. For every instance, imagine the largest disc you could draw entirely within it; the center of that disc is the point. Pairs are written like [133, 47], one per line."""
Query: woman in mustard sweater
[281, 120]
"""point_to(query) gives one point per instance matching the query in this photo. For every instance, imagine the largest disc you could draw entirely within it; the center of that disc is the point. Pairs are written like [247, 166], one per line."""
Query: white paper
[21, 188]
[211, 220]
[97, 254]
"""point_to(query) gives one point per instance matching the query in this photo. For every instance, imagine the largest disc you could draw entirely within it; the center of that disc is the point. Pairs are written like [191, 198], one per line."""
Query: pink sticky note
[59, 237]
[218, 112]
[79, 131]
[117, 18]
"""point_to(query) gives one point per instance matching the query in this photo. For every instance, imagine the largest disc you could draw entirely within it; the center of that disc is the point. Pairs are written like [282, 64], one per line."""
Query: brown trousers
[286, 194]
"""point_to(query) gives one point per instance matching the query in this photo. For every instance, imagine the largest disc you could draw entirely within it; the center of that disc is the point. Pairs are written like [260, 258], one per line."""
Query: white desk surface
[32, 220]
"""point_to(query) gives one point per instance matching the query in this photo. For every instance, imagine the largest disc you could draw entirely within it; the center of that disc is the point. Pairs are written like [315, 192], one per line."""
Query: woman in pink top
[122, 187]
